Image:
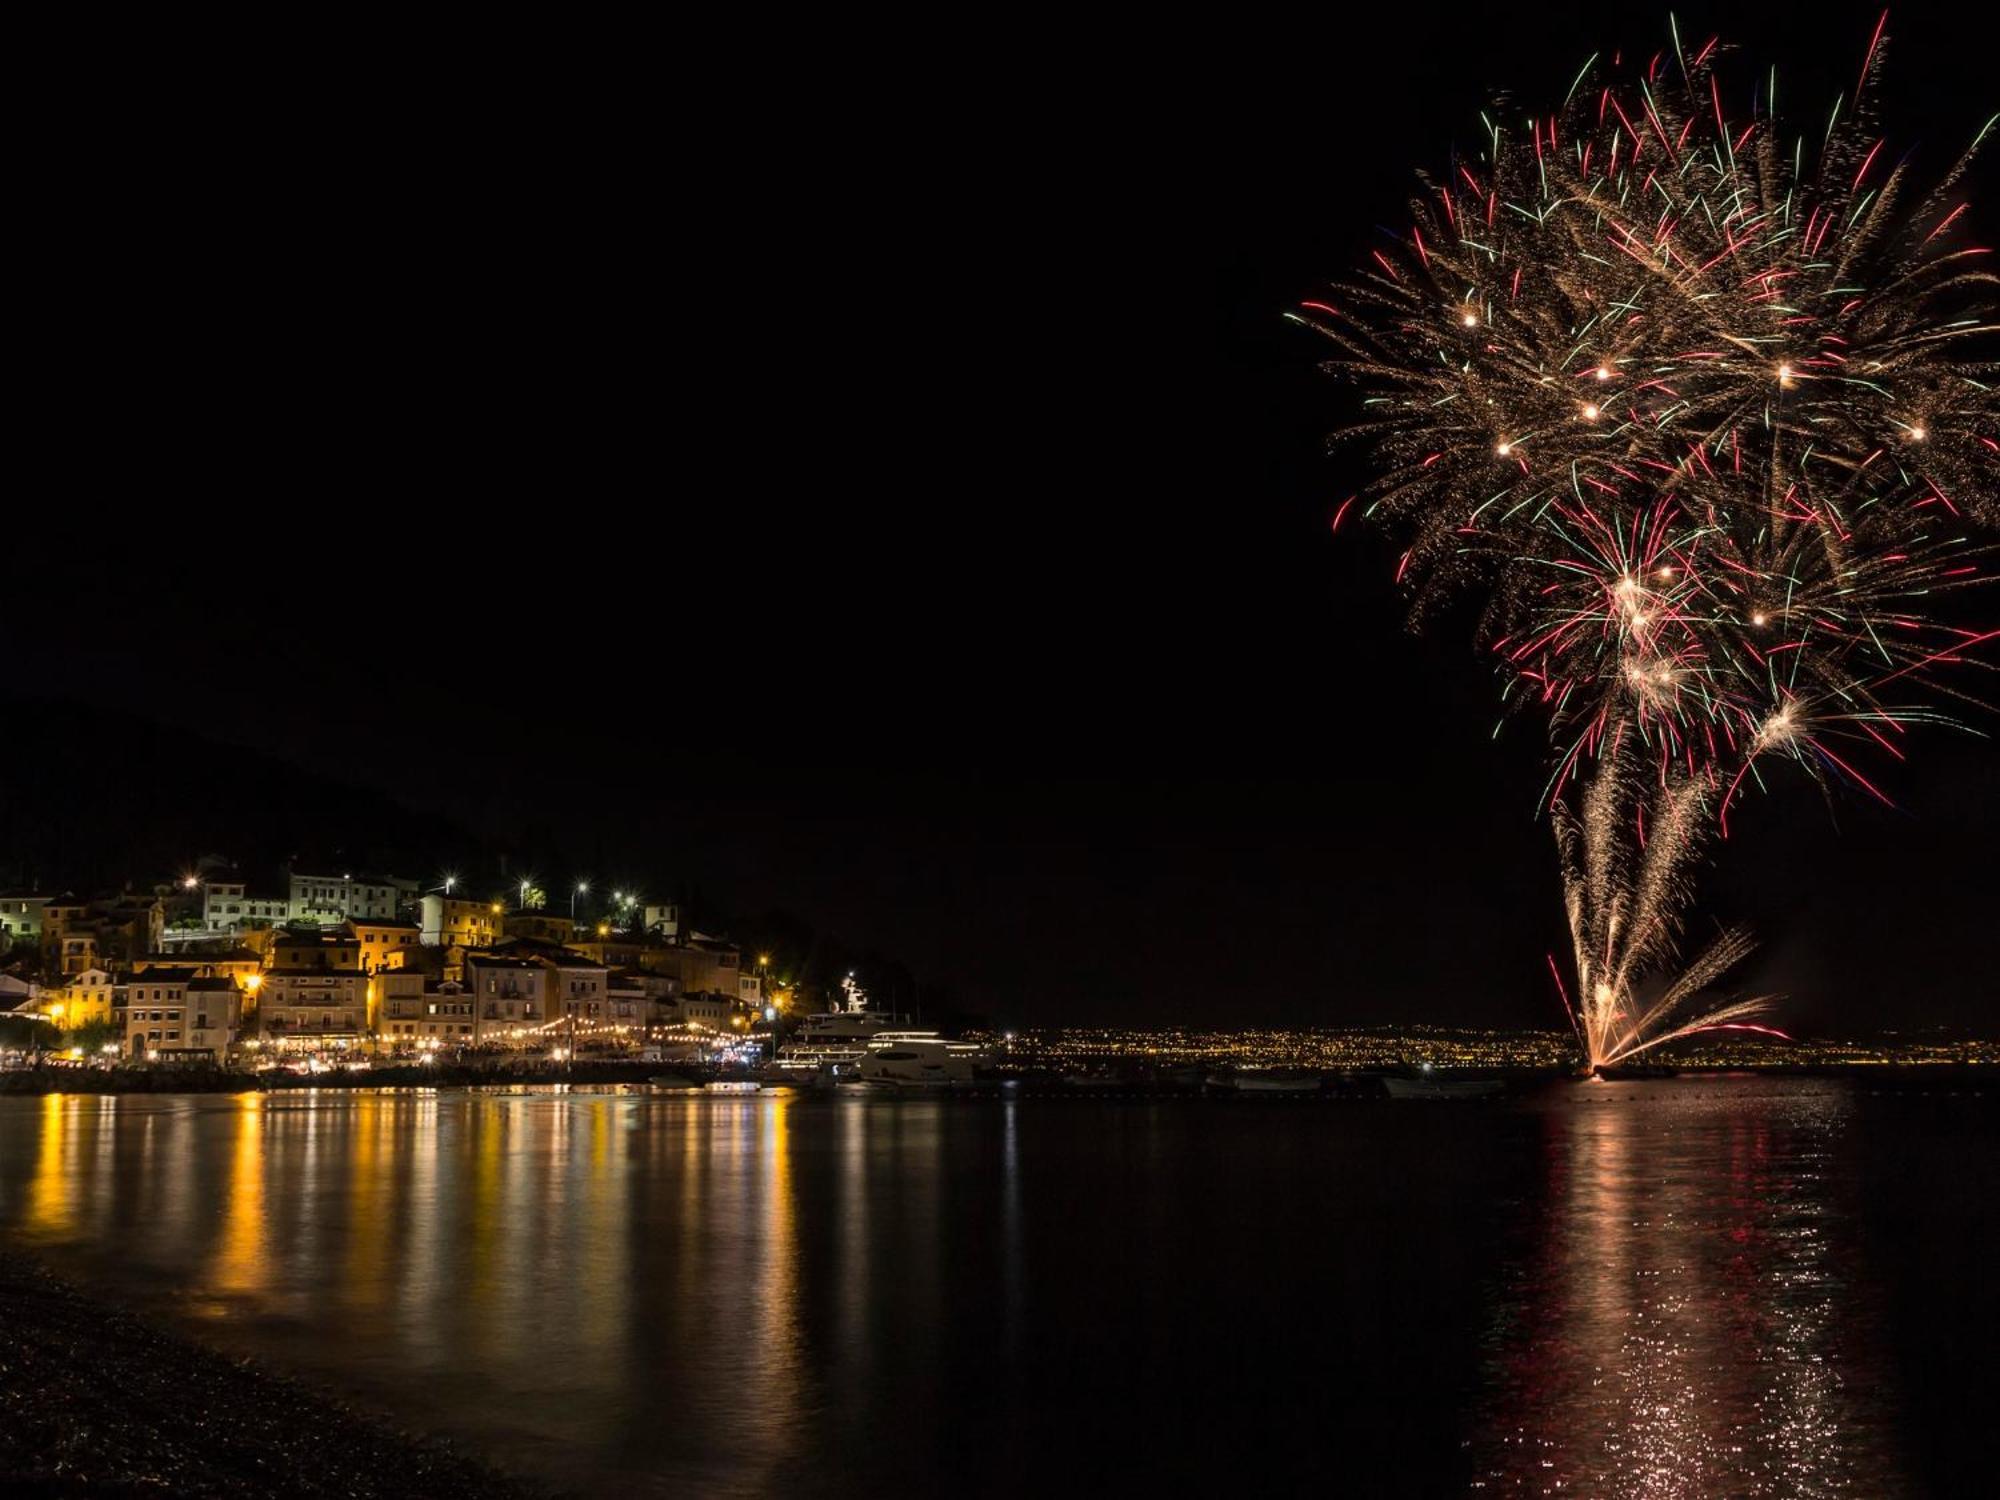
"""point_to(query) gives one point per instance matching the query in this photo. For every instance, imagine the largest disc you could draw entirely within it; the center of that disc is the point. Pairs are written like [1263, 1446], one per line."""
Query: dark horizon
[965, 587]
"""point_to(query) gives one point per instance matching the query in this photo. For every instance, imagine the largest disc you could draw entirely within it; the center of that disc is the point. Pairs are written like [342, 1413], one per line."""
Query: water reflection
[1675, 1329]
[1653, 1289]
[238, 1264]
[567, 1261]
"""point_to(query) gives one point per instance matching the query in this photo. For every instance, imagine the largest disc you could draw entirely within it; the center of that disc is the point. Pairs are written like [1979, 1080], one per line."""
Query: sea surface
[1731, 1286]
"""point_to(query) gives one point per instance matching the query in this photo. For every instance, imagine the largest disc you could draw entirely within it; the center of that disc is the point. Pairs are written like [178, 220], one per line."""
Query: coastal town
[337, 969]
[319, 973]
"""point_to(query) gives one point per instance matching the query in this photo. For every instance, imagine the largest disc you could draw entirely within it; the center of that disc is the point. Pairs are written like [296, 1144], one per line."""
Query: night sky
[907, 506]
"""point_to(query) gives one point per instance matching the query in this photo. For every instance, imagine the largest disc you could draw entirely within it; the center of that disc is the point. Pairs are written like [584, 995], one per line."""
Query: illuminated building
[21, 914]
[319, 951]
[153, 1012]
[507, 993]
[579, 985]
[313, 1004]
[330, 900]
[537, 926]
[214, 1015]
[231, 963]
[458, 922]
[84, 999]
[228, 907]
[384, 943]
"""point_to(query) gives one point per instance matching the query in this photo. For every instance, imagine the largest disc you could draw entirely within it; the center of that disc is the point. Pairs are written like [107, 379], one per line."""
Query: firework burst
[1707, 409]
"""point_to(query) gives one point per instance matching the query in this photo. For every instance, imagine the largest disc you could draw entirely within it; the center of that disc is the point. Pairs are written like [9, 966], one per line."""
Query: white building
[227, 906]
[21, 914]
[330, 900]
[665, 919]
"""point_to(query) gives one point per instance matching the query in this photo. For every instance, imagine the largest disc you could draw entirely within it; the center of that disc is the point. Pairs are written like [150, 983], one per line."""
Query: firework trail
[1706, 407]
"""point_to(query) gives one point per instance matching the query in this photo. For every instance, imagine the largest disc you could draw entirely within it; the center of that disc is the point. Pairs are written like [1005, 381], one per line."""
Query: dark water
[1730, 1287]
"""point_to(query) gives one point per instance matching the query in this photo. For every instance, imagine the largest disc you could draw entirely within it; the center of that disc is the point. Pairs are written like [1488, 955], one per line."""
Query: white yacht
[832, 1043]
[851, 1043]
[916, 1059]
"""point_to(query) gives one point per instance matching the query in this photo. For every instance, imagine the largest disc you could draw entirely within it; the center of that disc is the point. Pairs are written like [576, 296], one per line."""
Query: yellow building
[81, 1000]
[313, 1006]
[384, 943]
[455, 922]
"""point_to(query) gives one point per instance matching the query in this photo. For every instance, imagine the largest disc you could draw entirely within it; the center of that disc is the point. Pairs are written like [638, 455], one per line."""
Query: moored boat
[916, 1059]
[1267, 1081]
[1430, 1086]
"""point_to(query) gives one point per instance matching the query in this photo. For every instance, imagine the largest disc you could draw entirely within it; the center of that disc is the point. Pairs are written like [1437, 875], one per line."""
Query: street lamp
[582, 888]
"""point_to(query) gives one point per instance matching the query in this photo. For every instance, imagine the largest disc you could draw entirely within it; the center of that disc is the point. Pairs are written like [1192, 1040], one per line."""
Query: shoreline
[97, 1399]
[189, 1080]
[1107, 1073]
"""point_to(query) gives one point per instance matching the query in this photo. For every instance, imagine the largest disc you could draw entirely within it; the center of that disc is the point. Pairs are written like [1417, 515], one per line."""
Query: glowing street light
[582, 888]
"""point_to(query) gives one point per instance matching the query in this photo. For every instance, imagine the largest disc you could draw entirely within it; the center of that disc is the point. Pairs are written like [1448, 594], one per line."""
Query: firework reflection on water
[1678, 1327]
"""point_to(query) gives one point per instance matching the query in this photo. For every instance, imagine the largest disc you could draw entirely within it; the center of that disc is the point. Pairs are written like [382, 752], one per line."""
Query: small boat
[1088, 1080]
[1277, 1081]
[1266, 1081]
[674, 1081]
[733, 1086]
[1428, 1086]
